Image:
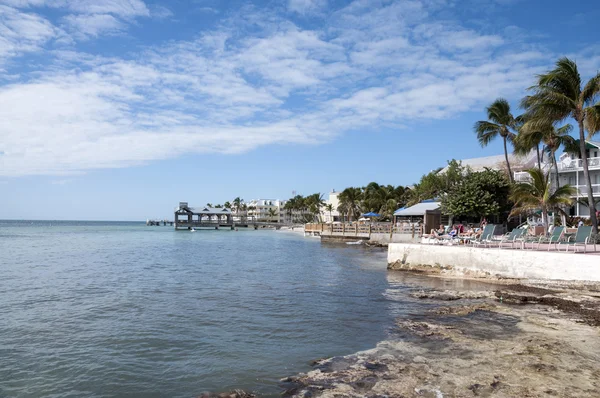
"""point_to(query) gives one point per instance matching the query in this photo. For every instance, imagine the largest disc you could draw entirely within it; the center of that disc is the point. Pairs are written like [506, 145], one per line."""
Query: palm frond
[499, 112]
[592, 120]
[591, 90]
[486, 132]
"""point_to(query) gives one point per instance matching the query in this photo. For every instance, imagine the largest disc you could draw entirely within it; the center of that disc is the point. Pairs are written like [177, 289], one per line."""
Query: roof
[205, 210]
[518, 162]
[588, 144]
[417, 210]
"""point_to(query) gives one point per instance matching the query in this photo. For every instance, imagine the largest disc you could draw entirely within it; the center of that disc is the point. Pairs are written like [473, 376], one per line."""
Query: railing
[583, 189]
[522, 176]
[577, 164]
[362, 230]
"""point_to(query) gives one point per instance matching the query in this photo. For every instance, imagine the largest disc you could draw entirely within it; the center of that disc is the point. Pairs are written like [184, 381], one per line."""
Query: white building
[266, 210]
[334, 215]
[570, 170]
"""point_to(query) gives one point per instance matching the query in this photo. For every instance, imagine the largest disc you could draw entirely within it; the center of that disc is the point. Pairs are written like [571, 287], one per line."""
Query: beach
[517, 341]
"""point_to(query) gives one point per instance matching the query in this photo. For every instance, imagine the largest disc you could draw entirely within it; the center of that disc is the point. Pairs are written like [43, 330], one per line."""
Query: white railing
[583, 189]
[577, 164]
[522, 176]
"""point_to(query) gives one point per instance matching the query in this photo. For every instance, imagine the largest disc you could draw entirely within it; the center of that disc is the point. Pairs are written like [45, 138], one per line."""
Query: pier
[157, 223]
[188, 218]
[376, 232]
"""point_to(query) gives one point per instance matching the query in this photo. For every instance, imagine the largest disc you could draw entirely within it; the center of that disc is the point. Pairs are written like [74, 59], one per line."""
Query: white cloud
[86, 25]
[22, 32]
[122, 8]
[258, 80]
[306, 6]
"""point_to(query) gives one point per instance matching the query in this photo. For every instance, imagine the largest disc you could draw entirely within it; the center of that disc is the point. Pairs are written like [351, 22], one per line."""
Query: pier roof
[203, 210]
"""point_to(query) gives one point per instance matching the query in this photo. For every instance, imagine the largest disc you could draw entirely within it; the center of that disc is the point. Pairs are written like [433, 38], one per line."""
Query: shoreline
[485, 339]
[539, 349]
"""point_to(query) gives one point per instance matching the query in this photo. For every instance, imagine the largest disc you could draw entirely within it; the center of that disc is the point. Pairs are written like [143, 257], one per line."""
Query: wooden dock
[360, 230]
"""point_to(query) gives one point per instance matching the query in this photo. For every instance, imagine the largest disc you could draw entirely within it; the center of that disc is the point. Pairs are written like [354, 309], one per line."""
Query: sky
[119, 109]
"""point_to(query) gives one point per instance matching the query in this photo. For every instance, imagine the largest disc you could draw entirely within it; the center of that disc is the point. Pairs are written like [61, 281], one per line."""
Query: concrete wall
[397, 238]
[494, 262]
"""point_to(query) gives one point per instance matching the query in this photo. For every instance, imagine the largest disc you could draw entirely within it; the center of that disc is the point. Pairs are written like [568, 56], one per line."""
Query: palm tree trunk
[545, 220]
[563, 218]
[555, 169]
[510, 174]
[539, 158]
[586, 175]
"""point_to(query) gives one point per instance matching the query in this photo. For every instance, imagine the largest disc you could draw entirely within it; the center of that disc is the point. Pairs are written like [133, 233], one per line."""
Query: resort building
[334, 215]
[570, 171]
[267, 210]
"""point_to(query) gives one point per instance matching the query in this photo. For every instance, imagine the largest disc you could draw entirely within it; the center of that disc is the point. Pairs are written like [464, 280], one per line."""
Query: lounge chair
[486, 236]
[582, 238]
[512, 238]
[555, 238]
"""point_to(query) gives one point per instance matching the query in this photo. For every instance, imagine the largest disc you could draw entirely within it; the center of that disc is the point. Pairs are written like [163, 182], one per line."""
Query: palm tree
[500, 123]
[553, 138]
[557, 96]
[329, 208]
[227, 205]
[350, 199]
[272, 214]
[538, 194]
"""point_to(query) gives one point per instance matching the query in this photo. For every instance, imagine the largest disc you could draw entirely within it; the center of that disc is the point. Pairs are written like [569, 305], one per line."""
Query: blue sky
[118, 109]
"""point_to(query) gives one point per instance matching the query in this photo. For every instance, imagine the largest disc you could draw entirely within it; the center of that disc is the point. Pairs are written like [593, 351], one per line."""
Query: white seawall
[496, 263]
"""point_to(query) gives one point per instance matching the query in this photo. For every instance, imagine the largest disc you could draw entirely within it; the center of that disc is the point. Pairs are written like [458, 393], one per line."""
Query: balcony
[583, 189]
[577, 164]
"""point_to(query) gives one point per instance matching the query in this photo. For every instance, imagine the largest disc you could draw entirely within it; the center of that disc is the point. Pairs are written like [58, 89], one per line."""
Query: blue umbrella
[371, 214]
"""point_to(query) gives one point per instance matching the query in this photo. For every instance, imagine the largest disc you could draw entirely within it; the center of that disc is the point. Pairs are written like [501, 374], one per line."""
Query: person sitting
[435, 233]
[454, 232]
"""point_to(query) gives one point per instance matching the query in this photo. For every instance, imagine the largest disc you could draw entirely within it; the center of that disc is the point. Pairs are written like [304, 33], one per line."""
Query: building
[518, 163]
[266, 210]
[570, 171]
[334, 215]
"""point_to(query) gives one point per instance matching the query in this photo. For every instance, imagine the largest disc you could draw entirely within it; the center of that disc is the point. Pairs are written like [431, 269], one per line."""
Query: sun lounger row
[517, 238]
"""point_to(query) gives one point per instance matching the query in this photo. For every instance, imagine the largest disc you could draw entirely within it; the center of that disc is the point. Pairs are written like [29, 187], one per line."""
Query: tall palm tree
[538, 194]
[350, 199]
[551, 137]
[500, 123]
[329, 208]
[557, 96]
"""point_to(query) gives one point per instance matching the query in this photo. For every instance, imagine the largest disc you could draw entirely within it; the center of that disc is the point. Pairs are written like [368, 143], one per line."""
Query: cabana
[426, 212]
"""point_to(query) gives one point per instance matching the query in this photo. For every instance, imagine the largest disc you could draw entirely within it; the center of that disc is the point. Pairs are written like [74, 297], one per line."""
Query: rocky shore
[515, 341]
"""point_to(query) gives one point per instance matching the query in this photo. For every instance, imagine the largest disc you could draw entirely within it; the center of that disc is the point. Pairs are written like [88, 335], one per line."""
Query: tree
[350, 199]
[272, 214]
[478, 194]
[329, 208]
[227, 205]
[500, 123]
[537, 194]
[437, 183]
[557, 96]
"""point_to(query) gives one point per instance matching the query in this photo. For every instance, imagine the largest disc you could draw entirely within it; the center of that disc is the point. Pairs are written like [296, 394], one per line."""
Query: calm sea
[120, 309]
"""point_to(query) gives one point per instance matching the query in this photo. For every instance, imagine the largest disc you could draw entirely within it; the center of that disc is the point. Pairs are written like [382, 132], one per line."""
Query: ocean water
[121, 309]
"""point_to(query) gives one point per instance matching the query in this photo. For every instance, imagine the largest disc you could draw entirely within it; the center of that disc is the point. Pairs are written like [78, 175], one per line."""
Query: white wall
[506, 263]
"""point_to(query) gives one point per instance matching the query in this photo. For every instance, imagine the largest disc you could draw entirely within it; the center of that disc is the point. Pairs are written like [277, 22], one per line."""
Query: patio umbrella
[371, 214]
